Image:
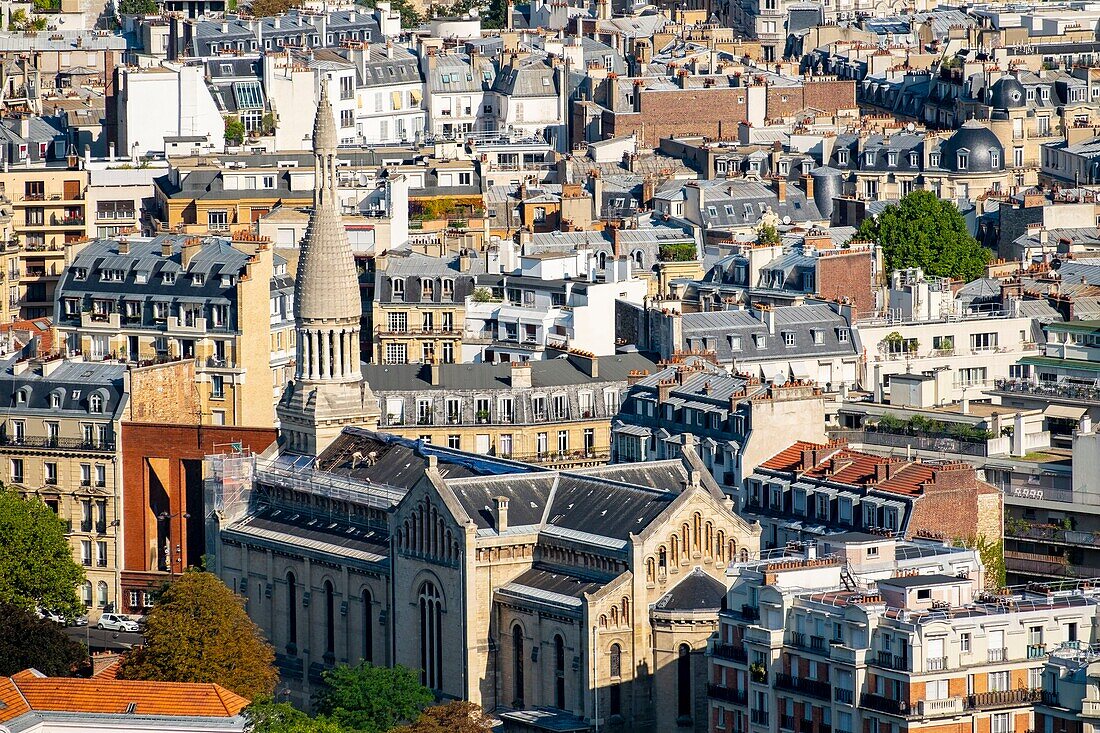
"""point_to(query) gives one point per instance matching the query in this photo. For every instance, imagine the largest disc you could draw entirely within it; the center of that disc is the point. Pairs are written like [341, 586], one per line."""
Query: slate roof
[697, 592]
[453, 377]
[718, 326]
[73, 382]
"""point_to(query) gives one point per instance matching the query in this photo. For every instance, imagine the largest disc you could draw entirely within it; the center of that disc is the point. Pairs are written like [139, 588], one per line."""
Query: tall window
[368, 628]
[559, 672]
[683, 682]
[431, 643]
[517, 666]
[616, 662]
[291, 610]
[330, 619]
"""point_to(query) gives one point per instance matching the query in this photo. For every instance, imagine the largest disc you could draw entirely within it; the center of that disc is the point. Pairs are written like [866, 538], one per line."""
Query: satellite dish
[910, 127]
[786, 220]
[1055, 264]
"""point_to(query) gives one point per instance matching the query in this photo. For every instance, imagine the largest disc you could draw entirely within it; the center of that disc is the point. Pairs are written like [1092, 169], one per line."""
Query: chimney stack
[502, 514]
[521, 375]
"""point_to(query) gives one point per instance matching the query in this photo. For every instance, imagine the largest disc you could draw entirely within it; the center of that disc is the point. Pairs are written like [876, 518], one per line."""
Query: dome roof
[1007, 93]
[979, 142]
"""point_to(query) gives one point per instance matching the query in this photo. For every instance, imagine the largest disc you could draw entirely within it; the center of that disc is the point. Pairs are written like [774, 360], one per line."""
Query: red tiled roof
[40, 327]
[853, 468]
[28, 691]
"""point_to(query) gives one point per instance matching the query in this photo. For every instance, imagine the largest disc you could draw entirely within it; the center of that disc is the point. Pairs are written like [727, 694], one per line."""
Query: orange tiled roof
[852, 467]
[40, 327]
[28, 691]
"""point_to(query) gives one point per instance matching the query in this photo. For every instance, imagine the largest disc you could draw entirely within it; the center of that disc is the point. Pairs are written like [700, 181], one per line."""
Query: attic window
[80, 273]
[169, 278]
[963, 160]
[198, 279]
[227, 69]
[913, 160]
[934, 160]
[892, 158]
[21, 397]
[842, 156]
[55, 401]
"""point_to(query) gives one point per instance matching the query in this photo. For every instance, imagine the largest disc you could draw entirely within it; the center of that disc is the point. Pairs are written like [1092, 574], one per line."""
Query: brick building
[710, 105]
[163, 511]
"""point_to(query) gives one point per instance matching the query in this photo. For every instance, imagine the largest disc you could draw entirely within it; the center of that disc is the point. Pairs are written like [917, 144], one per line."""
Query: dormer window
[55, 401]
[398, 289]
[80, 273]
[912, 160]
[934, 160]
[869, 157]
[95, 402]
[994, 159]
[198, 279]
[21, 397]
[962, 160]
[169, 278]
[720, 166]
[1044, 94]
[427, 289]
[842, 156]
[892, 158]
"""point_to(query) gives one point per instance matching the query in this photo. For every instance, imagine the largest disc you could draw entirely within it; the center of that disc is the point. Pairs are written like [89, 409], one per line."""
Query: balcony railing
[34, 441]
[1036, 651]
[884, 704]
[732, 652]
[1003, 698]
[1060, 392]
[935, 708]
[891, 661]
[758, 717]
[727, 694]
[937, 664]
[843, 696]
[999, 654]
[812, 688]
[786, 722]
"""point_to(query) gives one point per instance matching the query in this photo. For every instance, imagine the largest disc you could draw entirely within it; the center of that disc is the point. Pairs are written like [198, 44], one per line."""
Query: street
[103, 639]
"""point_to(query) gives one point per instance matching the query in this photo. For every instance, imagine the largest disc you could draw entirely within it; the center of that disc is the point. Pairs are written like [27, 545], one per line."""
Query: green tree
[266, 716]
[198, 631]
[38, 24]
[37, 570]
[29, 641]
[234, 131]
[267, 8]
[17, 21]
[923, 231]
[372, 699]
[137, 7]
[767, 234]
[992, 553]
[454, 717]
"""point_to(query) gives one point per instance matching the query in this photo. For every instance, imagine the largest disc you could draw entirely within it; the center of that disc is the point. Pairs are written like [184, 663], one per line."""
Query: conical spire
[324, 128]
[327, 305]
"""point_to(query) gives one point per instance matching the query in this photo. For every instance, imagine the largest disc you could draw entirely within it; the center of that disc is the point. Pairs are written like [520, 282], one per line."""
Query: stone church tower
[328, 391]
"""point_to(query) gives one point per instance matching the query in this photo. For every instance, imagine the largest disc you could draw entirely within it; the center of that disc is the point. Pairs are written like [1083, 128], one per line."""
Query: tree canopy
[198, 631]
[454, 717]
[372, 699]
[234, 131]
[37, 570]
[267, 8]
[137, 7]
[924, 231]
[29, 641]
[266, 716]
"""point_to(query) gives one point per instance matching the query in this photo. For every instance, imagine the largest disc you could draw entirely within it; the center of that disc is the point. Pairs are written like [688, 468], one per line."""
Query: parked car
[117, 622]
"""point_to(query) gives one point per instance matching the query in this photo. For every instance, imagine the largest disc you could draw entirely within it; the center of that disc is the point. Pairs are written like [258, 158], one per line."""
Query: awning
[774, 372]
[800, 370]
[1064, 411]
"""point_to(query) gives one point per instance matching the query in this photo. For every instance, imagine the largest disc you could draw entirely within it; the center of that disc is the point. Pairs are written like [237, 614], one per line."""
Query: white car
[117, 622]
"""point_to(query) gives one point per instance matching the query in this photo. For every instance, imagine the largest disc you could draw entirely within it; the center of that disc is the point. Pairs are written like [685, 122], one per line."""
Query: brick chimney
[501, 517]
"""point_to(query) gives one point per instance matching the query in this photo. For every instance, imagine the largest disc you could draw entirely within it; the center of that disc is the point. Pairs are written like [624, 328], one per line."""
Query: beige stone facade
[511, 586]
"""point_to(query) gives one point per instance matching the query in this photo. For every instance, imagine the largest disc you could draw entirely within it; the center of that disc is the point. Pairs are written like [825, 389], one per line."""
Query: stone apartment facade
[60, 443]
[177, 298]
[555, 412]
[863, 632]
